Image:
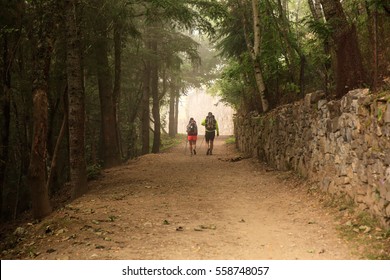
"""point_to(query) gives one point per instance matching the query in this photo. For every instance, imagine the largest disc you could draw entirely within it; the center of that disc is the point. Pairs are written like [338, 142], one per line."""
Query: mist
[197, 104]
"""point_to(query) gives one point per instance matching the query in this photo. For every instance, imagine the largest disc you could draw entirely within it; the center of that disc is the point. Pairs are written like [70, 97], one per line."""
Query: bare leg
[211, 146]
[194, 147]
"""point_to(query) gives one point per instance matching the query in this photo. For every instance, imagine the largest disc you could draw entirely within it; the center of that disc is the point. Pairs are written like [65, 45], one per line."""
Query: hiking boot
[211, 152]
[208, 152]
[194, 152]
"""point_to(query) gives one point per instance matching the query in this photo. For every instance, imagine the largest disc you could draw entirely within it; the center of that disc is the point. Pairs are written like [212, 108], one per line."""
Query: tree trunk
[41, 37]
[177, 100]
[316, 10]
[172, 96]
[76, 99]
[37, 168]
[5, 116]
[53, 164]
[372, 23]
[145, 113]
[256, 55]
[254, 50]
[110, 149]
[349, 67]
[156, 99]
[118, 79]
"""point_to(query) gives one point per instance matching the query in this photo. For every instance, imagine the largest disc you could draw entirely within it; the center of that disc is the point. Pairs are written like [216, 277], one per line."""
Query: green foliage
[230, 86]
[321, 29]
[168, 142]
[281, 57]
[380, 114]
[189, 14]
[93, 171]
[290, 88]
[230, 140]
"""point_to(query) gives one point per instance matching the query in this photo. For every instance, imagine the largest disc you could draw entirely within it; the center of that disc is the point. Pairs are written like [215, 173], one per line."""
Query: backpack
[211, 123]
[192, 128]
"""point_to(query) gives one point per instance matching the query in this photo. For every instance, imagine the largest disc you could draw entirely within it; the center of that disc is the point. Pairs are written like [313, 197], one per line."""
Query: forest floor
[176, 206]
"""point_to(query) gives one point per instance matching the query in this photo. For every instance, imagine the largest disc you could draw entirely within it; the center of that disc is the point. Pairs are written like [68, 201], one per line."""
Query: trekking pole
[200, 146]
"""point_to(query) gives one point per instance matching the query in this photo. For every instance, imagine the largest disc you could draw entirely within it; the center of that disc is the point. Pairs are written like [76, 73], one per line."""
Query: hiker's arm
[203, 122]
[217, 127]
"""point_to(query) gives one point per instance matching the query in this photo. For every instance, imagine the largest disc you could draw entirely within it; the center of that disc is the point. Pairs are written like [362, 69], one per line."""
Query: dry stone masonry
[343, 144]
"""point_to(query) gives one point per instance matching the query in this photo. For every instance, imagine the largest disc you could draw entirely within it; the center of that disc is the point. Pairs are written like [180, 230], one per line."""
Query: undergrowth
[230, 140]
[168, 142]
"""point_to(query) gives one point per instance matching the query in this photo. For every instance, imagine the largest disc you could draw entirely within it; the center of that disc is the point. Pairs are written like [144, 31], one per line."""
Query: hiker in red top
[192, 135]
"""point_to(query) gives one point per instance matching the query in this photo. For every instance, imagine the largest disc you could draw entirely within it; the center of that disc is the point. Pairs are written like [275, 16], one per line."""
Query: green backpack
[211, 123]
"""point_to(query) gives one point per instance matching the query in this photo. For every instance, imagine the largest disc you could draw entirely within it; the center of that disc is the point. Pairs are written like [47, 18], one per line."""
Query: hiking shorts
[192, 137]
[210, 135]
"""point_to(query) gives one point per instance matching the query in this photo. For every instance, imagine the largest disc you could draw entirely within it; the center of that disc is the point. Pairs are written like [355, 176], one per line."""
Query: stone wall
[344, 144]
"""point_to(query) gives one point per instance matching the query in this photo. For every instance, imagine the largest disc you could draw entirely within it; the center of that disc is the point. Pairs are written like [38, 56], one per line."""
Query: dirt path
[174, 206]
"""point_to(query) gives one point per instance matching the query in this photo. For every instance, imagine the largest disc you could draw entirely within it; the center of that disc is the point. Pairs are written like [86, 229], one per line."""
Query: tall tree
[145, 108]
[5, 116]
[118, 30]
[42, 38]
[254, 47]
[172, 114]
[372, 24]
[76, 100]
[154, 75]
[349, 67]
[11, 16]
[110, 141]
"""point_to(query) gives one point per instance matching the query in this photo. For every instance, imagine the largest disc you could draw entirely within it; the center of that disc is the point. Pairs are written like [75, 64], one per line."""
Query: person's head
[192, 120]
[209, 114]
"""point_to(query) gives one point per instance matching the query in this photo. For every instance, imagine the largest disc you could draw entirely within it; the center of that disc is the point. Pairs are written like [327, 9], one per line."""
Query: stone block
[388, 211]
[307, 101]
[348, 135]
[354, 106]
[387, 197]
[346, 102]
[325, 182]
[386, 117]
[349, 189]
[387, 175]
[358, 93]
[378, 130]
[360, 198]
[363, 176]
[321, 103]
[355, 134]
[335, 124]
[386, 130]
[362, 190]
[334, 108]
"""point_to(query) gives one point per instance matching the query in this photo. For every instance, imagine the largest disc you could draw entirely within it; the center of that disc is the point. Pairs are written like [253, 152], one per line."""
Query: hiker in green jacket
[211, 126]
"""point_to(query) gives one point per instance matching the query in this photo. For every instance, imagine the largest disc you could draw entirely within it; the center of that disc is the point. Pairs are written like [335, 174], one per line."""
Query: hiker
[192, 135]
[211, 126]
